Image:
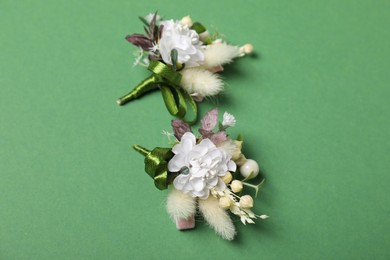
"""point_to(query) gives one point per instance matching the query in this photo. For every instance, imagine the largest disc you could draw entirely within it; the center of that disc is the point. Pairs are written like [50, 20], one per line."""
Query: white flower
[149, 17]
[228, 120]
[205, 163]
[184, 40]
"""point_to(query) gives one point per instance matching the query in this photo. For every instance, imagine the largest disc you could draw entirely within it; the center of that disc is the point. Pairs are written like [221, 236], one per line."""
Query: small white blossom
[145, 62]
[245, 214]
[171, 138]
[166, 133]
[154, 48]
[228, 120]
[140, 58]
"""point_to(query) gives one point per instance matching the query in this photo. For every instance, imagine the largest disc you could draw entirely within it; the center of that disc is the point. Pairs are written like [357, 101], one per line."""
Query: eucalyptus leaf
[198, 27]
[221, 127]
[184, 170]
[174, 57]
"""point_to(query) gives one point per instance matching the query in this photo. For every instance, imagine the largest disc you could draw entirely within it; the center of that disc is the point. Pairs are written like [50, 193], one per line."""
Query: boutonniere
[206, 173]
[184, 59]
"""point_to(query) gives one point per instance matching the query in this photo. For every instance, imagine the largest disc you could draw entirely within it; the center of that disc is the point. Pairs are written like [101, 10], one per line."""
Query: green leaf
[198, 27]
[174, 56]
[208, 41]
[221, 127]
[143, 20]
[240, 138]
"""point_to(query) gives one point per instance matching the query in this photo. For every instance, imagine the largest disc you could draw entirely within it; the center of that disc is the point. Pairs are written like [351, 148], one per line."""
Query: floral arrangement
[203, 173]
[184, 59]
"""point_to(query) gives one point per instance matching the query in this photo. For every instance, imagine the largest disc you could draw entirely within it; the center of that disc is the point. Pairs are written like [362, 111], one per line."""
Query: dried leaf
[140, 41]
[147, 32]
[205, 133]
[209, 121]
[218, 137]
[180, 128]
[153, 27]
[160, 30]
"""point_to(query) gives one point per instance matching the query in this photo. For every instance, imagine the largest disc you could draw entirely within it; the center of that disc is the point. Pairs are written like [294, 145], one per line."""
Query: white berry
[250, 167]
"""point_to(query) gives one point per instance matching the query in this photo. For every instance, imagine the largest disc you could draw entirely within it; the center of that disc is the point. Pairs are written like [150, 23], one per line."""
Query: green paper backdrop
[312, 104]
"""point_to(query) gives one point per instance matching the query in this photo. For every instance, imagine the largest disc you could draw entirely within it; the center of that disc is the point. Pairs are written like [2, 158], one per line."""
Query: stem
[145, 86]
[255, 187]
[141, 149]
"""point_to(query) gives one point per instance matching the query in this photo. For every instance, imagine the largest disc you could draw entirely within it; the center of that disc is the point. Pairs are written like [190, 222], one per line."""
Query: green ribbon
[166, 79]
[156, 165]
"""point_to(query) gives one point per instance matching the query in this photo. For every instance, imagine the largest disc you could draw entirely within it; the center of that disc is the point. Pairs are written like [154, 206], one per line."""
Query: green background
[312, 104]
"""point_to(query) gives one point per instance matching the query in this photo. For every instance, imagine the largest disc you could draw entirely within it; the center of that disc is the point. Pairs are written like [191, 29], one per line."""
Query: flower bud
[204, 36]
[186, 20]
[236, 186]
[225, 202]
[227, 178]
[246, 49]
[246, 202]
[217, 41]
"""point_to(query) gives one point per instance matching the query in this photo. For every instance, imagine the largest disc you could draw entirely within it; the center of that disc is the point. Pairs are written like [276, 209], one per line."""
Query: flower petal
[210, 120]
[198, 184]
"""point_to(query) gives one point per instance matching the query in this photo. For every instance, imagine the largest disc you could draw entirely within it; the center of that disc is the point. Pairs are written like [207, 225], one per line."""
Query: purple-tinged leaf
[140, 41]
[160, 31]
[218, 137]
[210, 120]
[180, 128]
[153, 57]
[205, 133]
[152, 26]
[147, 33]
[143, 20]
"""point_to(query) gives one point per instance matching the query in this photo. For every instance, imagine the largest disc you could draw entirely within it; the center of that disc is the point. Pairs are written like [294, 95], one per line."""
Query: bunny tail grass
[217, 54]
[217, 218]
[201, 82]
[180, 205]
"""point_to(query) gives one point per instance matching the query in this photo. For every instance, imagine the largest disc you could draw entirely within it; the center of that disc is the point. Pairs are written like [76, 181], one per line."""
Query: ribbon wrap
[156, 164]
[166, 79]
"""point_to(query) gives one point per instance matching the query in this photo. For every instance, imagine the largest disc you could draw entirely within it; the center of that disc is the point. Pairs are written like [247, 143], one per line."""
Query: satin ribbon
[166, 79]
[156, 165]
